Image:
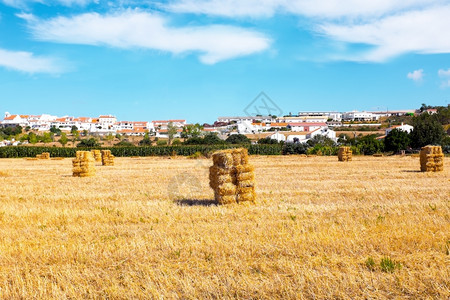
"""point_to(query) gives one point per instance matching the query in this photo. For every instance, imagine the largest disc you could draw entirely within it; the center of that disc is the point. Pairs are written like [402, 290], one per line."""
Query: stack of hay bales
[83, 164]
[345, 154]
[44, 155]
[97, 155]
[231, 177]
[431, 159]
[107, 158]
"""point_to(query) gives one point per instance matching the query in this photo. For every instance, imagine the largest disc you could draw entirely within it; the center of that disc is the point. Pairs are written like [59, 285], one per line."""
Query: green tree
[212, 139]
[89, 143]
[427, 131]
[46, 138]
[397, 140]
[32, 138]
[74, 130]
[369, 145]
[171, 131]
[63, 139]
[190, 131]
[55, 130]
[146, 141]
[268, 140]
[238, 139]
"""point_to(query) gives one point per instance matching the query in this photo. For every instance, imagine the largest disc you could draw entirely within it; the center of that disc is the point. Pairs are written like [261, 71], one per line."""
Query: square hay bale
[83, 165]
[97, 155]
[431, 159]
[107, 158]
[345, 154]
[231, 177]
[44, 155]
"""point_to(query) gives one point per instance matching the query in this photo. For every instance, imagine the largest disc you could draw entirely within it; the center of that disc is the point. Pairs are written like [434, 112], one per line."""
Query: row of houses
[105, 124]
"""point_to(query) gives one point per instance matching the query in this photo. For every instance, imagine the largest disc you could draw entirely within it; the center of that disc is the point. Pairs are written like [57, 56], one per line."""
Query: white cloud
[392, 28]
[314, 8]
[445, 75]
[137, 29]
[28, 62]
[416, 75]
[422, 32]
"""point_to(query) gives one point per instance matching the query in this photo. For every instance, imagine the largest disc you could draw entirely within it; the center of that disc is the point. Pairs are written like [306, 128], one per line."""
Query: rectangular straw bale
[223, 159]
[228, 199]
[232, 177]
[97, 155]
[345, 154]
[83, 165]
[431, 159]
[107, 158]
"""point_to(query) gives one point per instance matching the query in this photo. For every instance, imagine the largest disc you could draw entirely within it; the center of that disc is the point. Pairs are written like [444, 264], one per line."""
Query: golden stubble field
[146, 228]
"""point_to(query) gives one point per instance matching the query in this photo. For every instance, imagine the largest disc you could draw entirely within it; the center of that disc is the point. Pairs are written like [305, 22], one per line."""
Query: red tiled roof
[11, 117]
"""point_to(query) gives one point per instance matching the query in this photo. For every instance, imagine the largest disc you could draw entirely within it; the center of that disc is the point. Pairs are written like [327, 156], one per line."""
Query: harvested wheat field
[147, 228]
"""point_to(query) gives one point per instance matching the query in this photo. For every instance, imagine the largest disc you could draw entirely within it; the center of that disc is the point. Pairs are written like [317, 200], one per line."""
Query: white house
[278, 137]
[334, 115]
[305, 126]
[323, 132]
[247, 127]
[293, 138]
[263, 119]
[15, 120]
[304, 119]
[404, 127]
[359, 116]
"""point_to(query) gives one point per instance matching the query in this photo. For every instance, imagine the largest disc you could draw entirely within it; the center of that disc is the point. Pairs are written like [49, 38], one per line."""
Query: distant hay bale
[431, 159]
[231, 177]
[57, 158]
[377, 155]
[83, 164]
[44, 155]
[345, 154]
[31, 158]
[97, 155]
[107, 158]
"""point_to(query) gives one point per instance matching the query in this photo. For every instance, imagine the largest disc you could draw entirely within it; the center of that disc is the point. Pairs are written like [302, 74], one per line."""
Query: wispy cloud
[445, 77]
[137, 29]
[28, 62]
[421, 32]
[416, 75]
[311, 8]
[392, 28]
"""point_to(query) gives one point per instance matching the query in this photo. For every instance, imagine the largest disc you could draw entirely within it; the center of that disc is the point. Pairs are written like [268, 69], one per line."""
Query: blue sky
[200, 59]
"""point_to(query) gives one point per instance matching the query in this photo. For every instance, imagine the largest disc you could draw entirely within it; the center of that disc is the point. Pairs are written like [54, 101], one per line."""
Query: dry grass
[371, 228]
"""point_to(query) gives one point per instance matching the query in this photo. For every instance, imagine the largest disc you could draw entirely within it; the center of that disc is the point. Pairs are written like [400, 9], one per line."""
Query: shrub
[88, 143]
[388, 265]
[370, 263]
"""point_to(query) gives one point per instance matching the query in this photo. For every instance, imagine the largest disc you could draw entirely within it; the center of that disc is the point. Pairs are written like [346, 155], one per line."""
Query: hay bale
[377, 155]
[83, 165]
[44, 155]
[97, 155]
[345, 154]
[431, 159]
[107, 158]
[231, 177]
